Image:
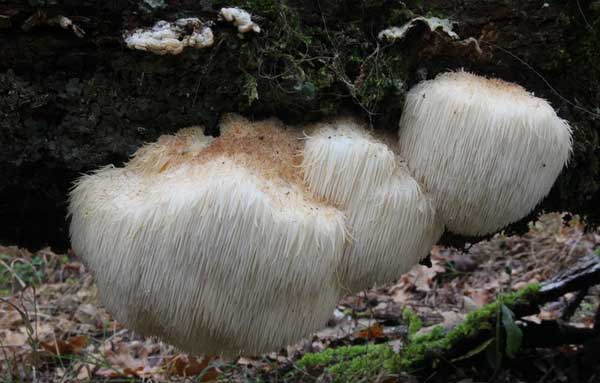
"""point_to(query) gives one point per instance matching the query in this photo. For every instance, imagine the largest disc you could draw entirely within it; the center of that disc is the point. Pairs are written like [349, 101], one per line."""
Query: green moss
[380, 359]
[365, 362]
[436, 343]
[437, 13]
[308, 70]
[414, 322]
[332, 355]
[352, 363]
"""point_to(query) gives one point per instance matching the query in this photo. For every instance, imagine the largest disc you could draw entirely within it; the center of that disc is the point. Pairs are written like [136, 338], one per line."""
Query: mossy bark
[490, 331]
[365, 362]
[70, 104]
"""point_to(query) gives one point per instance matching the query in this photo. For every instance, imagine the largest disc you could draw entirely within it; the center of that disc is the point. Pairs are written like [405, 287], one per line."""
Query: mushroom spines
[266, 146]
[265, 262]
[170, 150]
[341, 161]
[391, 222]
[392, 228]
[487, 150]
[211, 249]
[210, 254]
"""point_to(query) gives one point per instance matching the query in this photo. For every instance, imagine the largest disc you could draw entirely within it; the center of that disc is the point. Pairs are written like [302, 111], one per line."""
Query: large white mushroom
[391, 221]
[210, 244]
[487, 150]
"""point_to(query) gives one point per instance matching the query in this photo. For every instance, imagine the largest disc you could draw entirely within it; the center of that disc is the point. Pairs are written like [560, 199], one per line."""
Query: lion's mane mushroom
[391, 222]
[209, 243]
[487, 150]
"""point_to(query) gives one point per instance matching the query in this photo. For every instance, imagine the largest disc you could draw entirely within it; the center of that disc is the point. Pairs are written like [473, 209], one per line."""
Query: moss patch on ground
[352, 363]
[364, 362]
[436, 343]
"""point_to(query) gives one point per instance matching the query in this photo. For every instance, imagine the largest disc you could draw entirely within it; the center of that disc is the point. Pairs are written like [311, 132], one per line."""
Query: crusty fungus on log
[171, 38]
[240, 18]
[487, 150]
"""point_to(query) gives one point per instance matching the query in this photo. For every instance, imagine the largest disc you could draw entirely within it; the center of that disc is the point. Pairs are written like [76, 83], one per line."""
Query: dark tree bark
[70, 102]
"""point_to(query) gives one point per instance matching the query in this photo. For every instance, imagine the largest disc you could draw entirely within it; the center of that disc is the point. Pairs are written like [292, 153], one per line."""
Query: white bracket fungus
[487, 150]
[171, 38]
[434, 23]
[240, 18]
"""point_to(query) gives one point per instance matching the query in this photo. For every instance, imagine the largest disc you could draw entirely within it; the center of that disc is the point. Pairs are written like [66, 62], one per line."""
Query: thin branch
[585, 110]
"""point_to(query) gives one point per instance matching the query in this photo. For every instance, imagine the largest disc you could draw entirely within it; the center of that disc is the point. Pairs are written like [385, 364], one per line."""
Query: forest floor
[52, 327]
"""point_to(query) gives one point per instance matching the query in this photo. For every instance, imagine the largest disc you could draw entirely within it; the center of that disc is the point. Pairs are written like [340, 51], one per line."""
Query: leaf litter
[53, 328]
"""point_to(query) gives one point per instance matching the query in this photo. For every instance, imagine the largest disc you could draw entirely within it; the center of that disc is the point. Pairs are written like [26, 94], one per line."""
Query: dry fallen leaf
[186, 366]
[12, 338]
[84, 371]
[73, 345]
[480, 297]
[373, 331]
[400, 295]
[10, 318]
[123, 363]
[87, 314]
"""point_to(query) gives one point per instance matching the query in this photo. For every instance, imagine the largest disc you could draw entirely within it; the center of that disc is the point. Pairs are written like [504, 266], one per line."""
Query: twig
[587, 23]
[573, 305]
[597, 321]
[585, 110]
[550, 333]
[14, 274]
[584, 274]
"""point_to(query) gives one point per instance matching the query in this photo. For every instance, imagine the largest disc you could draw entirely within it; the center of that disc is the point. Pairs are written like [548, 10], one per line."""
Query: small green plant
[451, 271]
[16, 273]
[352, 363]
[32, 273]
[414, 322]
[436, 342]
[20, 272]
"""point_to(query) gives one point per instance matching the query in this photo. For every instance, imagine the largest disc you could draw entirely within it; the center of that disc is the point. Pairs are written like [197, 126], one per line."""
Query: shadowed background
[70, 104]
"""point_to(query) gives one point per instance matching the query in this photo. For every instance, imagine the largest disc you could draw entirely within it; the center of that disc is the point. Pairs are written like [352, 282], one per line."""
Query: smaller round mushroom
[487, 150]
[392, 223]
[342, 161]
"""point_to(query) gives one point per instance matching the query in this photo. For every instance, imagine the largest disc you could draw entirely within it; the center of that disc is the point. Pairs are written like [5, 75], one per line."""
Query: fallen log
[75, 97]
[487, 327]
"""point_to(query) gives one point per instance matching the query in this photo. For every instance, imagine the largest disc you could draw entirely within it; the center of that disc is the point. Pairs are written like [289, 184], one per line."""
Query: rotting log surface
[439, 355]
[549, 333]
[70, 104]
